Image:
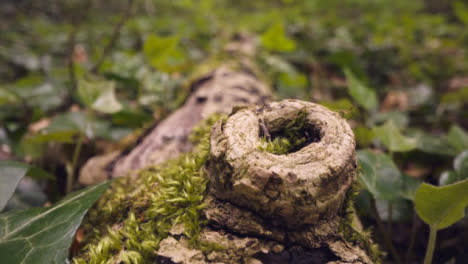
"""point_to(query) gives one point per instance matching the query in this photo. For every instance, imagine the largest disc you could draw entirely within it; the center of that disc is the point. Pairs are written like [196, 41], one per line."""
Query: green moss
[167, 194]
[351, 230]
[293, 136]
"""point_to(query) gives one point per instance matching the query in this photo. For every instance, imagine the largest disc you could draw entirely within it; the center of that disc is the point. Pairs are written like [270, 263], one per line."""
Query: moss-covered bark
[236, 199]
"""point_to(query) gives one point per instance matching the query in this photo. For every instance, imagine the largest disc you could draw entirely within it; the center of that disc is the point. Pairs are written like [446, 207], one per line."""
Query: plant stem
[115, 36]
[387, 238]
[390, 218]
[430, 245]
[412, 237]
[76, 155]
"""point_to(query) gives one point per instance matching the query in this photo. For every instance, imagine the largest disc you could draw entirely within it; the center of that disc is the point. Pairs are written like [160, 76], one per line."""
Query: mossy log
[273, 182]
[216, 92]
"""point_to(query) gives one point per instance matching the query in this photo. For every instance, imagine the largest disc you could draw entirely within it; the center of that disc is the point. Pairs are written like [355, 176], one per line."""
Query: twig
[115, 36]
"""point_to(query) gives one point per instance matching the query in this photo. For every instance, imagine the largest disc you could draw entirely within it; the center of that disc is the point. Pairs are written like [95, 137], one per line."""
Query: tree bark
[260, 207]
[216, 92]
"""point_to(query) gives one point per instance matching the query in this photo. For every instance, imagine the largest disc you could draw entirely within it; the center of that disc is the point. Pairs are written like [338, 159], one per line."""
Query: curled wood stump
[287, 206]
[292, 189]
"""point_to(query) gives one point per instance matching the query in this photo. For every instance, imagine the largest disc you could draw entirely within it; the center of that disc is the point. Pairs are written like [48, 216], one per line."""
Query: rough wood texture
[217, 92]
[293, 189]
[269, 208]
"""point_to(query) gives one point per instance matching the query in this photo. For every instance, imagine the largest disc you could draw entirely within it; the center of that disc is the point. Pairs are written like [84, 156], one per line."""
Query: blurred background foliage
[84, 77]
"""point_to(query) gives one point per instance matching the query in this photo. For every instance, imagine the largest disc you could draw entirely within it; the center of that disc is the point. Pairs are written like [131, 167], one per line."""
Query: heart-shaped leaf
[362, 94]
[275, 39]
[379, 175]
[382, 178]
[44, 235]
[11, 173]
[99, 95]
[440, 207]
[392, 138]
[435, 145]
[163, 53]
[458, 138]
[460, 165]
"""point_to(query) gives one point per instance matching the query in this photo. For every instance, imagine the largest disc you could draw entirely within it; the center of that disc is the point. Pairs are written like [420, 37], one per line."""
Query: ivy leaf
[11, 173]
[362, 94]
[163, 53]
[44, 235]
[379, 175]
[64, 127]
[382, 178]
[461, 11]
[409, 187]
[275, 39]
[435, 145]
[440, 207]
[391, 137]
[460, 164]
[99, 95]
[457, 138]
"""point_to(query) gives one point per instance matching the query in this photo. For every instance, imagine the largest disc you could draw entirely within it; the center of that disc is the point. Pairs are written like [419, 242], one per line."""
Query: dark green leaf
[399, 119]
[391, 137]
[10, 175]
[362, 94]
[44, 235]
[440, 207]
[409, 187]
[379, 175]
[435, 145]
[457, 138]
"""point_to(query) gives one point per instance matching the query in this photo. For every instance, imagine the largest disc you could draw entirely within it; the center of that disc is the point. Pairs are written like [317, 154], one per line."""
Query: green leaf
[399, 119]
[461, 11]
[99, 95]
[460, 173]
[440, 207]
[11, 173]
[460, 164]
[457, 138]
[409, 187]
[391, 137]
[435, 145]
[447, 177]
[456, 98]
[163, 53]
[44, 235]
[275, 39]
[364, 136]
[379, 175]
[362, 94]
[291, 84]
